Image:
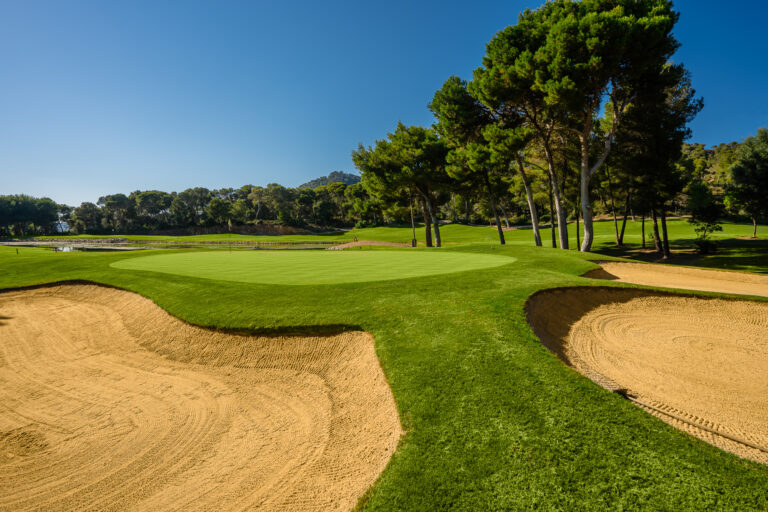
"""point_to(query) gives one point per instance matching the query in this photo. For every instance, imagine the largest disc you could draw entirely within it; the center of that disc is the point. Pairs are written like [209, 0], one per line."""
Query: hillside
[334, 177]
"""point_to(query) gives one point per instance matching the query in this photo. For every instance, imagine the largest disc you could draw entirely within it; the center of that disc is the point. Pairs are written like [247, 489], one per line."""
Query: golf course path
[109, 403]
[699, 364]
[683, 278]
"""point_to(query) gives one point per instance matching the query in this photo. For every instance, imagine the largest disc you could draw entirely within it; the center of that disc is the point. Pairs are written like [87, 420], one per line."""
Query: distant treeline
[341, 205]
[21, 214]
[332, 205]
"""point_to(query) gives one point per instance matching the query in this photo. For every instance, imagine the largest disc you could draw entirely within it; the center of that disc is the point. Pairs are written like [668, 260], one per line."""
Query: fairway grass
[311, 267]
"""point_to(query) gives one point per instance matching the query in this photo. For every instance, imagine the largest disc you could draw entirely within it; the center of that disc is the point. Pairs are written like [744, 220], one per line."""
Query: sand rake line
[187, 417]
[700, 426]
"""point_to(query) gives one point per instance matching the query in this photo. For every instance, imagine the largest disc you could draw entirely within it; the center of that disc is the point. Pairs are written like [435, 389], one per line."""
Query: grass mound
[311, 267]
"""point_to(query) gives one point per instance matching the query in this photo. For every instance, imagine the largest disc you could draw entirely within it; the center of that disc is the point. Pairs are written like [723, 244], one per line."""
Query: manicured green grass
[494, 421]
[737, 249]
[311, 267]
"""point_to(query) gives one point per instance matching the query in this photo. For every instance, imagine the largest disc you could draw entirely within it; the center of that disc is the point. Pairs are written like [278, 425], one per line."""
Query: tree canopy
[749, 175]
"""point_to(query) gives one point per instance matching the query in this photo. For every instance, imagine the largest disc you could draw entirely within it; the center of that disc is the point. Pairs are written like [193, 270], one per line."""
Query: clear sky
[100, 97]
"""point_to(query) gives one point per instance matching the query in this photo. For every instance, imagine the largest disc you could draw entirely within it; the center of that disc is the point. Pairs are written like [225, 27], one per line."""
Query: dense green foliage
[525, 130]
[22, 215]
[409, 163]
[705, 215]
[749, 177]
[493, 420]
[334, 204]
[553, 71]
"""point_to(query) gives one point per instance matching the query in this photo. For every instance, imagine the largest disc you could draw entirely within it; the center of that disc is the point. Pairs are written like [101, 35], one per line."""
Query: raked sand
[698, 363]
[684, 278]
[110, 403]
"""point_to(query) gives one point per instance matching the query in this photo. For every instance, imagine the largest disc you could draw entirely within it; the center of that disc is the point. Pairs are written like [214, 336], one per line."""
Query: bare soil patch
[668, 276]
[699, 364]
[110, 403]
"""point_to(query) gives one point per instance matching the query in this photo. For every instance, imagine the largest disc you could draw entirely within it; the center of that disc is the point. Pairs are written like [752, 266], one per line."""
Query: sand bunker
[698, 364]
[669, 276]
[109, 403]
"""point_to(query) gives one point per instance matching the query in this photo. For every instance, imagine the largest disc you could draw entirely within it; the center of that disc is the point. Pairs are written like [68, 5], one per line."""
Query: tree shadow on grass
[745, 254]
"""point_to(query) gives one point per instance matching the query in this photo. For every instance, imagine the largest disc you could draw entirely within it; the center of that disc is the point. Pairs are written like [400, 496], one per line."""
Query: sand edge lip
[554, 332]
[282, 338]
[555, 346]
[318, 330]
[679, 278]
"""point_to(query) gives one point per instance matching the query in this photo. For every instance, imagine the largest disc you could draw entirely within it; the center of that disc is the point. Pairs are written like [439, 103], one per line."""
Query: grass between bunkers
[493, 420]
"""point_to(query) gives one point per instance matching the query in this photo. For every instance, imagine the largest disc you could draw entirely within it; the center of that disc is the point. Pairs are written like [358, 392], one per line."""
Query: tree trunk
[455, 213]
[586, 211]
[413, 226]
[642, 229]
[552, 219]
[577, 225]
[564, 229]
[466, 211]
[435, 224]
[665, 238]
[587, 171]
[492, 200]
[436, 228]
[613, 211]
[754, 227]
[504, 213]
[616, 227]
[624, 222]
[531, 204]
[586, 205]
[656, 237]
[586, 175]
[562, 222]
[427, 223]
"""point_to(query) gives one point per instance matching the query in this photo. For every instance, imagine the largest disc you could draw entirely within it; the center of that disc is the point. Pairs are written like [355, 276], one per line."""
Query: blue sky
[102, 97]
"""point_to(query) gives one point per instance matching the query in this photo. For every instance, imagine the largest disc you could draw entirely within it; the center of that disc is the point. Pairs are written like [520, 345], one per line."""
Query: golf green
[312, 267]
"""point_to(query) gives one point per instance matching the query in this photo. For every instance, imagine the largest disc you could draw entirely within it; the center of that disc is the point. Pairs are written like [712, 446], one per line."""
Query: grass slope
[494, 421]
[311, 267]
